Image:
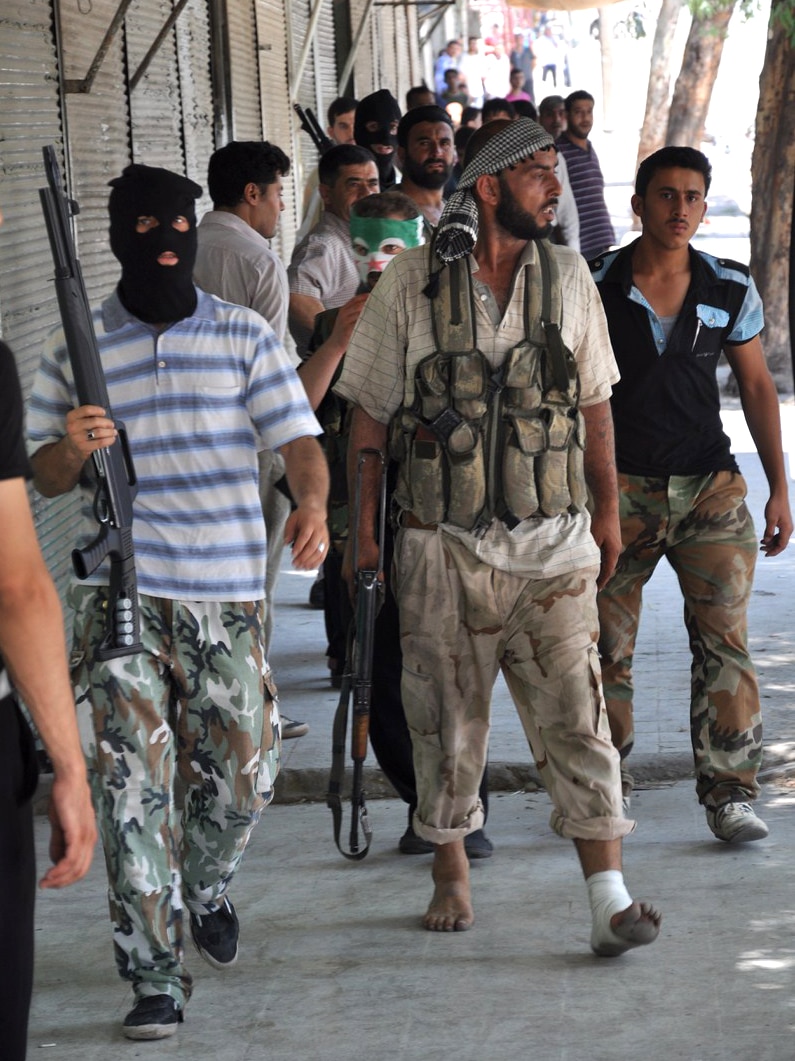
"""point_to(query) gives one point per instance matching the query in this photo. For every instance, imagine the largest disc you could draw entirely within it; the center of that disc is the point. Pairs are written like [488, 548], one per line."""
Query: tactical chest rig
[476, 442]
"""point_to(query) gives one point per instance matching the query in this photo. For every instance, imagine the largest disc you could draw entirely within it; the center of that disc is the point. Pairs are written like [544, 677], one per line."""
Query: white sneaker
[736, 823]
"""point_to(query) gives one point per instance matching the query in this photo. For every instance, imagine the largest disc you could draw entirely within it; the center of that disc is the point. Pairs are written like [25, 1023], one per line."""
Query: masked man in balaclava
[197, 382]
[375, 127]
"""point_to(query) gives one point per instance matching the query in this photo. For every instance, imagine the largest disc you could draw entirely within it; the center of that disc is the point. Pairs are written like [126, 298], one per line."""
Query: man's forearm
[307, 472]
[600, 456]
[303, 310]
[56, 468]
[366, 433]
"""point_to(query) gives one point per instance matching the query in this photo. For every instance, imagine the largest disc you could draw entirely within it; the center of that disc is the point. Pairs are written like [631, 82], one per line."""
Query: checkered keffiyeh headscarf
[458, 225]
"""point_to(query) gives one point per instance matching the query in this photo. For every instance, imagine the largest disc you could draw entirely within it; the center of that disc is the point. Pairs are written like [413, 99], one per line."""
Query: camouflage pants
[460, 622]
[197, 705]
[702, 526]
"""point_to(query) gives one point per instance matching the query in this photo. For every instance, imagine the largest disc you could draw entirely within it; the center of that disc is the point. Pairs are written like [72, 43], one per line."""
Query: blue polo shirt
[666, 406]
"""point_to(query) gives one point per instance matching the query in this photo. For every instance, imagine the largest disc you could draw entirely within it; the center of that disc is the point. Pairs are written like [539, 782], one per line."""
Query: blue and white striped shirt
[198, 401]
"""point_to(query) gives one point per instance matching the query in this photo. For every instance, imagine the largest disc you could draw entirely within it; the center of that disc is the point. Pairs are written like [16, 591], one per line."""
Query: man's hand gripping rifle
[358, 676]
[116, 483]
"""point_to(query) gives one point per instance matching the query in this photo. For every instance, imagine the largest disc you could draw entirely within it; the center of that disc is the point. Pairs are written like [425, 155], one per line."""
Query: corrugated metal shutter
[325, 62]
[306, 154]
[156, 103]
[364, 79]
[244, 70]
[29, 119]
[196, 90]
[98, 129]
[278, 121]
[388, 72]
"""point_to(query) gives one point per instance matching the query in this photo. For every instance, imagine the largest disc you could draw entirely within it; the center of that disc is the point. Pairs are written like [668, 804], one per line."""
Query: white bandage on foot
[608, 895]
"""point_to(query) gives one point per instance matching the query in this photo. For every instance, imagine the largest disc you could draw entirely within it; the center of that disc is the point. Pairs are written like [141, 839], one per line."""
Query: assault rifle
[312, 126]
[358, 677]
[116, 482]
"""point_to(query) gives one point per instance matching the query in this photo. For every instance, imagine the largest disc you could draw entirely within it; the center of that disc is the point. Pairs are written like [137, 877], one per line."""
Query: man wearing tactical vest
[483, 361]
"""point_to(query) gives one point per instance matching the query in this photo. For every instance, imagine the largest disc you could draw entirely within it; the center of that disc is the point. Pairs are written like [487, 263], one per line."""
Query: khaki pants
[460, 622]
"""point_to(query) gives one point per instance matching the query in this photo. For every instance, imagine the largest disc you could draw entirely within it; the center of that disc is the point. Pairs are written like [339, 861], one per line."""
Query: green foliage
[705, 8]
[782, 13]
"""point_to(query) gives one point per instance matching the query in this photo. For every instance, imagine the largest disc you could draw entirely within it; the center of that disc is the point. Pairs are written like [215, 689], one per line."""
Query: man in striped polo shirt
[585, 175]
[201, 385]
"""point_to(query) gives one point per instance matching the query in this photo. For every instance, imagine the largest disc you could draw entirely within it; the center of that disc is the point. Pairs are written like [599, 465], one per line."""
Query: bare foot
[636, 926]
[450, 909]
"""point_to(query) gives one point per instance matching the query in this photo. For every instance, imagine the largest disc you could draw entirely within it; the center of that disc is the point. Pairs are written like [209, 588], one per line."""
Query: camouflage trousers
[702, 526]
[461, 621]
[195, 711]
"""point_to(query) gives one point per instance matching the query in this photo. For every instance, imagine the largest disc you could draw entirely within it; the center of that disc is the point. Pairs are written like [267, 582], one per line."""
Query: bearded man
[464, 359]
[426, 155]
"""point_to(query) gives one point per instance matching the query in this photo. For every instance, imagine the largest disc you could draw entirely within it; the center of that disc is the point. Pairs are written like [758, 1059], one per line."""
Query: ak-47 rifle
[358, 677]
[312, 126]
[116, 482]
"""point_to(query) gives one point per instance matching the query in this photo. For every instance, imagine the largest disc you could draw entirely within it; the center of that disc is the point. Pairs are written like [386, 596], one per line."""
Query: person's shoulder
[725, 268]
[603, 263]
[214, 312]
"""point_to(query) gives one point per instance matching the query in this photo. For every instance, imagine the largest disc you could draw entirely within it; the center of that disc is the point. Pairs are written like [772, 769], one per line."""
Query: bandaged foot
[450, 909]
[619, 924]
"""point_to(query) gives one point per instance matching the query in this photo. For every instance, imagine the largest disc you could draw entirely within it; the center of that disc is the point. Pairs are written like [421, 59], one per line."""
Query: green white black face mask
[376, 241]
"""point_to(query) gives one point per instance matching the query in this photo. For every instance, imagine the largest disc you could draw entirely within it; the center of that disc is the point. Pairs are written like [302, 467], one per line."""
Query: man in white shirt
[234, 260]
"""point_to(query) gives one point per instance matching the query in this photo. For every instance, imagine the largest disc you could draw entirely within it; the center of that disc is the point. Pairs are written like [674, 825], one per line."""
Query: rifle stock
[116, 482]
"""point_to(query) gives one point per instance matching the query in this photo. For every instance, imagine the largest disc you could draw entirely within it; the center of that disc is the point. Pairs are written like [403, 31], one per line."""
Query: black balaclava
[381, 107]
[155, 293]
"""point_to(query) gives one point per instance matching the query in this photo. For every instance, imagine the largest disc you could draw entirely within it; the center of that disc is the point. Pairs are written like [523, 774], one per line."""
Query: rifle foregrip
[360, 724]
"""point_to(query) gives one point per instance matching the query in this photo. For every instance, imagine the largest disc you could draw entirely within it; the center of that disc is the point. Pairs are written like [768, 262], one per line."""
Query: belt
[410, 521]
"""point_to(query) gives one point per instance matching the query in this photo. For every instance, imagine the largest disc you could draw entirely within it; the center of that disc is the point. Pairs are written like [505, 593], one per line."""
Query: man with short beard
[468, 364]
[426, 153]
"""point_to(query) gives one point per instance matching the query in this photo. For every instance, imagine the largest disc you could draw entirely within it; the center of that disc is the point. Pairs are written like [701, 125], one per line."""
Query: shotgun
[115, 475]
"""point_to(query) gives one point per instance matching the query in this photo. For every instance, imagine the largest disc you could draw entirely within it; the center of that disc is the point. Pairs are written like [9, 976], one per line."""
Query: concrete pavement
[334, 964]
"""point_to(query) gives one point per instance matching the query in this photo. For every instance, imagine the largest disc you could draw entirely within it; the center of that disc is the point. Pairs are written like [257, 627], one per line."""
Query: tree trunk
[655, 120]
[772, 169]
[606, 20]
[696, 79]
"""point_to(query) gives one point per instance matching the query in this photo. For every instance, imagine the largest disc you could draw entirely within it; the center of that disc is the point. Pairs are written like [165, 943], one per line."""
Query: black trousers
[18, 778]
[389, 732]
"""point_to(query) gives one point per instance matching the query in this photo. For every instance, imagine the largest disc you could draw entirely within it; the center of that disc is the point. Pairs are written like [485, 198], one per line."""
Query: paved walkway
[335, 966]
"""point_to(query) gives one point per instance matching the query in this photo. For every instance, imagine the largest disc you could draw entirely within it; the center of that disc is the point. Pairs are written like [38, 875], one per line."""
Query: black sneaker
[215, 935]
[152, 1017]
[478, 845]
[411, 844]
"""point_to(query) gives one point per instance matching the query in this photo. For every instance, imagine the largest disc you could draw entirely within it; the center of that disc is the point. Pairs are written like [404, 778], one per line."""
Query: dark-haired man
[201, 385]
[322, 273]
[234, 261]
[497, 558]
[426, 153]
[672, 311]
[585, 175]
